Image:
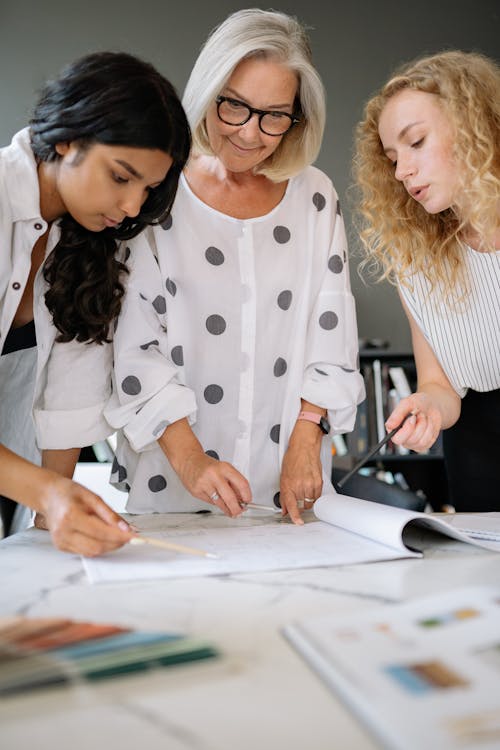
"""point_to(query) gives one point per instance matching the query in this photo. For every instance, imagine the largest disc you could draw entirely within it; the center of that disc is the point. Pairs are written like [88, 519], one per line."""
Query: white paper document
[345, 531]
[241, 549]
[424, 674]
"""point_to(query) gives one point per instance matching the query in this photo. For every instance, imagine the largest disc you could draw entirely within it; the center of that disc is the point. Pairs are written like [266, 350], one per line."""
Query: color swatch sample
[39, 652]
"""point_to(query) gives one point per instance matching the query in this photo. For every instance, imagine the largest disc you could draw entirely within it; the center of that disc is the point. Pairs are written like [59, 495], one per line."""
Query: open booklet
[342, 531]
[422, 674]
[387, 525]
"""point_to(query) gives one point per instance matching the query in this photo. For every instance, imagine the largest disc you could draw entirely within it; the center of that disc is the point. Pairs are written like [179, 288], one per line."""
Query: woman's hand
[215, 482]
[301, 480]
[421, 430]
[78, 520]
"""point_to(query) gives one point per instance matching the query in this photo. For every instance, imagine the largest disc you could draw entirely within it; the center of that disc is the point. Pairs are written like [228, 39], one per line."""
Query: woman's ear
[62, 148]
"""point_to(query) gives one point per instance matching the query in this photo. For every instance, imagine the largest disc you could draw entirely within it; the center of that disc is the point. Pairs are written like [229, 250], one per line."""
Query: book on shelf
[400, 381]
[39, 652]
[379, 402]
[420, 674]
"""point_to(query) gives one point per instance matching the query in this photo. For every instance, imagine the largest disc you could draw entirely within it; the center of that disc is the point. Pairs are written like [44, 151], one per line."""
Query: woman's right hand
[421, 430]
[78, 520]
[215, 482]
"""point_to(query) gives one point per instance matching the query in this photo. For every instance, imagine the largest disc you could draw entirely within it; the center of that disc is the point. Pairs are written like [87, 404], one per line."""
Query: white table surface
[259, 696]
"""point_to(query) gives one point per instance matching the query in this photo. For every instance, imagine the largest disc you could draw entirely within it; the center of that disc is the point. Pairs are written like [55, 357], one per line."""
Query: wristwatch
[319, 419]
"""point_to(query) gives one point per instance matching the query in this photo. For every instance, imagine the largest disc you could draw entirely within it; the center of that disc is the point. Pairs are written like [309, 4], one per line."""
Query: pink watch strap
[310, 416]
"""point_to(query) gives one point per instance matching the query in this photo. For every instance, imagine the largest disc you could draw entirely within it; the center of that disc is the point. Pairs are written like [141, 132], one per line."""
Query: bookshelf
[387, 375]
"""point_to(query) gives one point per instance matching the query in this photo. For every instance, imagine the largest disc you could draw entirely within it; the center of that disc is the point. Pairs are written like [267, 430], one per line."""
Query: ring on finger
[300, 504]
[214, 497]
[309, 500]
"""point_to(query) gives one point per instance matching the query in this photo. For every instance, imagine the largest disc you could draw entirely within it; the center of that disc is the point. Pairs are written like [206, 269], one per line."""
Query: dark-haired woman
[101, 160]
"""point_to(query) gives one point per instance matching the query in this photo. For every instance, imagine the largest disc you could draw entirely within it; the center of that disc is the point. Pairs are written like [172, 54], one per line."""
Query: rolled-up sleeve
[148, 392]
[69, 411]
[331, 374]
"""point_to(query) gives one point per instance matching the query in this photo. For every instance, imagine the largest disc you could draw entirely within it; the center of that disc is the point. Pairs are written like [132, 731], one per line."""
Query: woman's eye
[417, 143]
[235, 104]
[119, 179]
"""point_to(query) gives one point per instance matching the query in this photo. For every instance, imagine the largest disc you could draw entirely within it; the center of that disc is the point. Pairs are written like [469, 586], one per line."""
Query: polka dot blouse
[230, 323]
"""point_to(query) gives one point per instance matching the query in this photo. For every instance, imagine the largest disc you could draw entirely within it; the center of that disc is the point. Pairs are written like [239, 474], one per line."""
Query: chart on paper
[241, 549]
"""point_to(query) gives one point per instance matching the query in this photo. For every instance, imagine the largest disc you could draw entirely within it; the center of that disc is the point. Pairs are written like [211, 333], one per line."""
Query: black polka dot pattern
[281, 234]
[347, 369]
[215, 324]
[321, 372]
[335, 264]
[160, 428]
[285, 299]
[160, 304]
[275, 433]
[319, 201]
[157, 483]
[328, 320]
[171, 287]
[131, 385]
[177, 355]
[279, 367]
[276, 500]
[213, 393]
[126, 255]
[167, 223]
[121, 471]
[214, 256]
[213, 454]
[145, 347]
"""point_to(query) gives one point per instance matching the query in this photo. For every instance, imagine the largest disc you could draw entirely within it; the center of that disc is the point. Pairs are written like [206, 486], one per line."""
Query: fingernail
[123, 525]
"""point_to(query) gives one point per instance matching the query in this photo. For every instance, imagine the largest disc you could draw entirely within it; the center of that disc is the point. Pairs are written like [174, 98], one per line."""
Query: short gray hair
[249, 33]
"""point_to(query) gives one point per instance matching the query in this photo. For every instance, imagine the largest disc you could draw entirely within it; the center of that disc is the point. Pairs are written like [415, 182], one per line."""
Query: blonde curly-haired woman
[428, 168]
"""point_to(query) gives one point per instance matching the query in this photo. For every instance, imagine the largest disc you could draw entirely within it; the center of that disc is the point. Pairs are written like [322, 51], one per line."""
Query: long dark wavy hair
[116, 99]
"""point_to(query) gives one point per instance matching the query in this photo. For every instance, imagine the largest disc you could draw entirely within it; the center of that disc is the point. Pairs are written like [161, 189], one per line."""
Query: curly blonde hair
[398, 235]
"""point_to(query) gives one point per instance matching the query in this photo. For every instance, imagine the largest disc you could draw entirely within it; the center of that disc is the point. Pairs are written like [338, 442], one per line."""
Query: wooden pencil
[163, 544]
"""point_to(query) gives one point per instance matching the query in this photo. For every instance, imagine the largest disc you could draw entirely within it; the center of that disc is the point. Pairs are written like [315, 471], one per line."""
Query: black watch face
[325, 425]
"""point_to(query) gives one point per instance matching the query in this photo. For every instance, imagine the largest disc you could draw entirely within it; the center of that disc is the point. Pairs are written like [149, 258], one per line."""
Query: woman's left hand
[301, 481]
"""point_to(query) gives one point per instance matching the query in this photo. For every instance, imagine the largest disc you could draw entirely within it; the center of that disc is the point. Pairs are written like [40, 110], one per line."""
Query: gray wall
[356, 44]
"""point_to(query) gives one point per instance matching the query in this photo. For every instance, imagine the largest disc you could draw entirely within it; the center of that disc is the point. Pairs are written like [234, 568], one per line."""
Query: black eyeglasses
[234, 112]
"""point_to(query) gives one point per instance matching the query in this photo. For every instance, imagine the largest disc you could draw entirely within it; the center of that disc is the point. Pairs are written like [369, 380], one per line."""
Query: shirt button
[38, 226]
[16, 285]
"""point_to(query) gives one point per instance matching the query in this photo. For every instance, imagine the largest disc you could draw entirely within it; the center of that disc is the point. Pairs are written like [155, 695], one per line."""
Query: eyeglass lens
[233, 112]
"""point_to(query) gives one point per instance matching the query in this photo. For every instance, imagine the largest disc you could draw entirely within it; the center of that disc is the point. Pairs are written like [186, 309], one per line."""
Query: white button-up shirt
[231, 322]
[72, 381]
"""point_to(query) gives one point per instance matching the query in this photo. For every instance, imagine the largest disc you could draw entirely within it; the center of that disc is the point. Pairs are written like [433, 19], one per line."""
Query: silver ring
[300, 504]
[214, 497]
[309, 500]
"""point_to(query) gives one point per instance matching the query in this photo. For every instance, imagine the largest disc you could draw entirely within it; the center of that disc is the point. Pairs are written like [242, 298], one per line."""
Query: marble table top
[259, 694]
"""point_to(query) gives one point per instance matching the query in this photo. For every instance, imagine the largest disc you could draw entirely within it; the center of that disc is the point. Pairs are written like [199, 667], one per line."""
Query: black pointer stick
[371, 453]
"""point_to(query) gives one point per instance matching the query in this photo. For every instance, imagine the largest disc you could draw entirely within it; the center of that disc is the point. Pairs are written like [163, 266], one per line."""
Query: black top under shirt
[23, 337]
